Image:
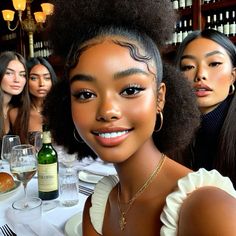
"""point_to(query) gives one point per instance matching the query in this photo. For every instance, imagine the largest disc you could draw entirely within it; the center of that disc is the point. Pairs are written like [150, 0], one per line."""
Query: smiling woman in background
[208, 61]
[41, 79]
[13, 88]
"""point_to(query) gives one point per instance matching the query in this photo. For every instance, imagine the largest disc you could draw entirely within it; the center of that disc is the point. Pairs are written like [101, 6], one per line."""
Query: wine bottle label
[47, 177]
[47, 137]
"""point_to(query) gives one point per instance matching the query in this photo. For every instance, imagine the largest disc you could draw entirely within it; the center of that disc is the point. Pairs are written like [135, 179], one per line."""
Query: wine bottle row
[181, 4]
[225, 22]
[209, 1]
[182, 29]
[42, 49]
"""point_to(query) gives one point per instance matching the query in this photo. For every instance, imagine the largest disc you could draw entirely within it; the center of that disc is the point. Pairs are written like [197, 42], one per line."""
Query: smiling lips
[111, 138]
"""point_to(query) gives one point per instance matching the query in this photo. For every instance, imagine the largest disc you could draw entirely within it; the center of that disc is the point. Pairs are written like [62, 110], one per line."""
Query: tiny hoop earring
[161, 123]
[79, 140]
[231, 89]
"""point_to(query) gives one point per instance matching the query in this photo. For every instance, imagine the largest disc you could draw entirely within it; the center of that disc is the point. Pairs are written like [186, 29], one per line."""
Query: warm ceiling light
[40, 17]
[47, 8]
[19, 5]
[8, 15]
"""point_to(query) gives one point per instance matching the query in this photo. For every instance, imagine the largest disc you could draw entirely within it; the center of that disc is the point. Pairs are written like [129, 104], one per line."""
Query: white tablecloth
[57, 216]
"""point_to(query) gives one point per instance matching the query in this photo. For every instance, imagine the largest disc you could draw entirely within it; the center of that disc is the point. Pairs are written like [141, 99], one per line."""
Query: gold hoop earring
[79, 140]
[231, 89]
[161, 122]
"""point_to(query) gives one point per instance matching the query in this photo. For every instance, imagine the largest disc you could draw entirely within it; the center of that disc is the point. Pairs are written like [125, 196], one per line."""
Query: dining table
[59, 215]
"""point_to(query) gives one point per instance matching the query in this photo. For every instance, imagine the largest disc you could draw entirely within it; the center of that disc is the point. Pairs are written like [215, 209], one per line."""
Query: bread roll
[6, 182]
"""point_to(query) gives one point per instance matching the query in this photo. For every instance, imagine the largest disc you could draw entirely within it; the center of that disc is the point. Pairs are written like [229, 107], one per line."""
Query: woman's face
[14, 79]
[113, 101]
[208, 67]
[40, 81]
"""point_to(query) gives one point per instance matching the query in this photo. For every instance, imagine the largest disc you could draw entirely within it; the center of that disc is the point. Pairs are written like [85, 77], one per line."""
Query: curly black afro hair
[181, 116]
[149, 22]
[78, 20]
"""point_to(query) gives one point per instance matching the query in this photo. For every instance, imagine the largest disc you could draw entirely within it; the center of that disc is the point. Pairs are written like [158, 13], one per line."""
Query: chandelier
[29, 24]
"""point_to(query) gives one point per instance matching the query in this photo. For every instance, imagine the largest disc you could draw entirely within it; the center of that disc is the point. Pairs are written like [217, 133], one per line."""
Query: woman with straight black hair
[208, 60]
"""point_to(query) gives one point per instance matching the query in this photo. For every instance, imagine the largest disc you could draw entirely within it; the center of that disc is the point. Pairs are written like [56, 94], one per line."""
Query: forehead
[202, 46]
[15, 64]
[39, 68]
[107, 53]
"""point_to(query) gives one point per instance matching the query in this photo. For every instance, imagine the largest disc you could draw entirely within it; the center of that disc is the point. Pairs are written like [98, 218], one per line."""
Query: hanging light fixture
[29, 24]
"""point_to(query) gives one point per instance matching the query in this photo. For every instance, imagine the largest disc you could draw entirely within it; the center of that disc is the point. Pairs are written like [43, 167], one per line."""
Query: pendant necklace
[123, 213]
[35, 108]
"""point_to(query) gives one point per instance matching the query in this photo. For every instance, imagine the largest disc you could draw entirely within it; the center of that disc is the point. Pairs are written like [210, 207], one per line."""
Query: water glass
[69, 188]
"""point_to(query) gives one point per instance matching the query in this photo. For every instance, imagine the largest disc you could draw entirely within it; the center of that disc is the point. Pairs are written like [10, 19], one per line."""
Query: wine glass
[38, 141]
[8, 141]
[23, 166]
[35, 138]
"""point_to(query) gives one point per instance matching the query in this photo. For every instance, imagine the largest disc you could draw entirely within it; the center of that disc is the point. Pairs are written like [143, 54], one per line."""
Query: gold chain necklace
[123, 221]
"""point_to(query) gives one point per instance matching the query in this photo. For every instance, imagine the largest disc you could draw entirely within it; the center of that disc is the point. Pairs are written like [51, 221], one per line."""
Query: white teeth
[112, 134]
[201, 89]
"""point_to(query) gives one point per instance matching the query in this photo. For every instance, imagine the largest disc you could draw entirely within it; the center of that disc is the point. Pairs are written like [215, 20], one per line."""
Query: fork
[6, 230]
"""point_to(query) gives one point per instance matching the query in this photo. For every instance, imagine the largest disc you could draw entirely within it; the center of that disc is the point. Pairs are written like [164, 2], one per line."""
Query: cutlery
[6, 230]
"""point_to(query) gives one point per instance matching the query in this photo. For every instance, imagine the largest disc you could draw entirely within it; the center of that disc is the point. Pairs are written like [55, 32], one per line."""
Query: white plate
[89, 177]
[12, 191]
[73, 226]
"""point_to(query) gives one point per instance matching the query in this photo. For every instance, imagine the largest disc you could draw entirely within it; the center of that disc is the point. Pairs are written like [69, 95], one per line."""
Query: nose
[16, 78]
[41, 82]
[108, 111]
[201, 74]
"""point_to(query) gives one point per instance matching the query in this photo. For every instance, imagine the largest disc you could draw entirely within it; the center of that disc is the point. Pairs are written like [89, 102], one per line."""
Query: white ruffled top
[174, 200]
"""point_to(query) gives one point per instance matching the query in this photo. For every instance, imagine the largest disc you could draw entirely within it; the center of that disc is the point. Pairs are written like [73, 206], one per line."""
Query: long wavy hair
[16, 100]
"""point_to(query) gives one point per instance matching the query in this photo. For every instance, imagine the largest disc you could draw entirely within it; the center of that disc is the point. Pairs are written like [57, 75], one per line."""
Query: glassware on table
[8, 141]
[69, 188]
[23, 166]
[38, 141]
[24, 215]
[68, 161]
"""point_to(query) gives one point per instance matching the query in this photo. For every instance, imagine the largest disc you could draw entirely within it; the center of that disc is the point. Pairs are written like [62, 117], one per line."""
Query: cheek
[81, 116]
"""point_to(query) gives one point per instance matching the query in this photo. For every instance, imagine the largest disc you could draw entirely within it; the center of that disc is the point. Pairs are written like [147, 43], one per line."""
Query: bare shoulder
[208, 211]
[87, 225]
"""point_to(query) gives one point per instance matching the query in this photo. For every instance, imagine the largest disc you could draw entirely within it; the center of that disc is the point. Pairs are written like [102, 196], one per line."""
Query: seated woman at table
[13, 88]
[114, 102]
[41, 79]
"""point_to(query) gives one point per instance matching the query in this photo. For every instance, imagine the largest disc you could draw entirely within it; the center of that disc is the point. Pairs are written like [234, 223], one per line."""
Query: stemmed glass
[23, 166]
[38, 141]
[8, 141]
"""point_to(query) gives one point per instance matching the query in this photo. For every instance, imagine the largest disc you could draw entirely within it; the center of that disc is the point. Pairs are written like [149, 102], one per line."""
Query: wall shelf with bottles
[200, 14]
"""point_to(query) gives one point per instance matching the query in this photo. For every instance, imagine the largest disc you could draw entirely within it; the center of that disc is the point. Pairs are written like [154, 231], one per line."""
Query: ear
[233, 75]
[161, 93]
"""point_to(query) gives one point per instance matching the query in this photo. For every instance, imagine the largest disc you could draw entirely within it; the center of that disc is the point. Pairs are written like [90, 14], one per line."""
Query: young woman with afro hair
[119, 102]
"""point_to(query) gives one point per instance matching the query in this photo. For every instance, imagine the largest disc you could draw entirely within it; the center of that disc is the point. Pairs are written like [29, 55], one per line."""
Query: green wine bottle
[47, 168]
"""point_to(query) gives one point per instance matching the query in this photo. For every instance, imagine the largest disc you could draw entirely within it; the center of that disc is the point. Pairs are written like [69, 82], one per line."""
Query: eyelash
[135, 88]
[85, 94]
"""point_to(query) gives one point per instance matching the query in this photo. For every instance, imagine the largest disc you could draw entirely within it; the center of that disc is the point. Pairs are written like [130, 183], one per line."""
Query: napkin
[100, 168]
[38, 227]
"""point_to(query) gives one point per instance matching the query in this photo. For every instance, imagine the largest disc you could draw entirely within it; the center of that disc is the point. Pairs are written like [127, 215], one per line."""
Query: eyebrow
[23, 71]
[118, 75]
[206, 55]
[36, 74]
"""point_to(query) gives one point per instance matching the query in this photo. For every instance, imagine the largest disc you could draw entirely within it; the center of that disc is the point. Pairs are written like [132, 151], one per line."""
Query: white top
[174, 200]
